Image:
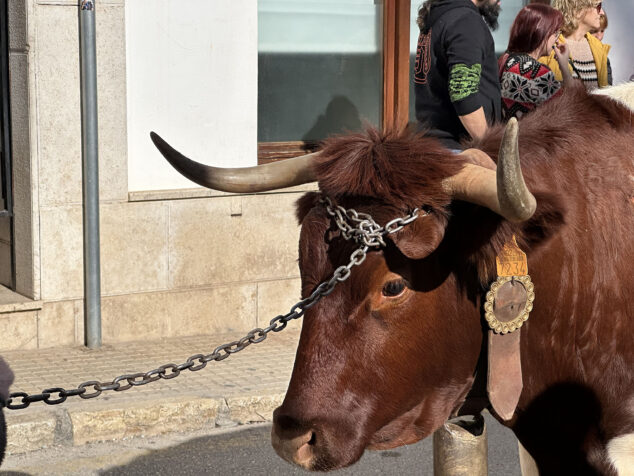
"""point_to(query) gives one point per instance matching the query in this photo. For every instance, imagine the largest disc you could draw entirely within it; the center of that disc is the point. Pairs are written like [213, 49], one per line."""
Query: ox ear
[305, 204]
[421, 237]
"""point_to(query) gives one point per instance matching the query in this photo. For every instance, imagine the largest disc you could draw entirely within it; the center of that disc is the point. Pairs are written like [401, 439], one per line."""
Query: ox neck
[477, 398]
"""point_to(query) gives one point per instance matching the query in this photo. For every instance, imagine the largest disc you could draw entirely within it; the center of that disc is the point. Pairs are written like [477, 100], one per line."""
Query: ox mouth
[385, 439]
[394, 443]
[404, 430]
[310, 452]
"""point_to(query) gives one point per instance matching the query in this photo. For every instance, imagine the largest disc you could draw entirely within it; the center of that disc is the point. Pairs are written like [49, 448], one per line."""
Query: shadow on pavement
[249, 452]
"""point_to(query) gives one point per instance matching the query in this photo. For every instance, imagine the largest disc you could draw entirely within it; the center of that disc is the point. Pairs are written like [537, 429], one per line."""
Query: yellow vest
[599, 53]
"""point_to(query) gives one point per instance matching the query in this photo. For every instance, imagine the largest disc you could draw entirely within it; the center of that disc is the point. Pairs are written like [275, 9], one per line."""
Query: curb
[111, 421]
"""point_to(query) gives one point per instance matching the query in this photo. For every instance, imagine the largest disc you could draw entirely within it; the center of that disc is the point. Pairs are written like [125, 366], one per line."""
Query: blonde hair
[570, 10]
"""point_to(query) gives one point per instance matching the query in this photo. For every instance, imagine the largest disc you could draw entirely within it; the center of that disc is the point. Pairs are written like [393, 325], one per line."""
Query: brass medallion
[509, 303]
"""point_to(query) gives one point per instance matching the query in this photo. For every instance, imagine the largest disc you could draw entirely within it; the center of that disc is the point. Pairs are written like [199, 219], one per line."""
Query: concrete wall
[173, 263]
[620, 35]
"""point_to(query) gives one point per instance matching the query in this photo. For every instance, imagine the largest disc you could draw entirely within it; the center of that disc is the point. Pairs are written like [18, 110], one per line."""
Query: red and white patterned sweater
[526, 83]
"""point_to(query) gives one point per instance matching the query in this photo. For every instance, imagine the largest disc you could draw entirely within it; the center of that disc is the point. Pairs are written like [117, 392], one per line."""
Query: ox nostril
[294, 440]
[304, 455]
[307, 439]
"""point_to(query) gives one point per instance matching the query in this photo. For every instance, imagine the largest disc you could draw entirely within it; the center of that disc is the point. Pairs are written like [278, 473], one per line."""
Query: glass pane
[320, 68]
[510, 8]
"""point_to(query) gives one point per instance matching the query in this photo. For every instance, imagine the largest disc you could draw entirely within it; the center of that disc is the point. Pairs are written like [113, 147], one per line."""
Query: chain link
[362, 228]
[359, 227]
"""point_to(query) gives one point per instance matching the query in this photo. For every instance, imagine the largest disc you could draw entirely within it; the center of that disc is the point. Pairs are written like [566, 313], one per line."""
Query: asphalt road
[243, 451]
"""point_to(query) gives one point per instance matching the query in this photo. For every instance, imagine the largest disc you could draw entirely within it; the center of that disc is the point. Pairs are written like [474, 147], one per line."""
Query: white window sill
[189, 193]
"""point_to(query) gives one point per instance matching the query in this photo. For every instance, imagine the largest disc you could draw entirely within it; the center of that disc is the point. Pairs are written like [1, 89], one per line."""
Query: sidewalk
[244, 388]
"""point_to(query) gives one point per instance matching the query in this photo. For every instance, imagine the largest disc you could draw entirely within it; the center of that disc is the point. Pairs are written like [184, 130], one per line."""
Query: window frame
[395, 100]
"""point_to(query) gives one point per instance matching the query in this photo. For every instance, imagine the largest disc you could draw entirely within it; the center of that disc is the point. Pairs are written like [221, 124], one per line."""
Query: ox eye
[393, 288]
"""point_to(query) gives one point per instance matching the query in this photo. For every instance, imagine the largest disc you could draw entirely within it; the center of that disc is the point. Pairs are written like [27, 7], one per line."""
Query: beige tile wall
[134, 249]
[276, 298]
[61, 253]
[18, 330]
[210, 244]
[56, 326]
[214, 310]
[58, 104]
[218, 270]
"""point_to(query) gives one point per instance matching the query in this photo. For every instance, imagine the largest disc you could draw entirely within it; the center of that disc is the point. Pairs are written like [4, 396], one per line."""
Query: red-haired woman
[525, 82]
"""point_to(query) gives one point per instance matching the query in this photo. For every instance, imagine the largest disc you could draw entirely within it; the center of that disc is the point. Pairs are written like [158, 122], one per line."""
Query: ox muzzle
[321, 443]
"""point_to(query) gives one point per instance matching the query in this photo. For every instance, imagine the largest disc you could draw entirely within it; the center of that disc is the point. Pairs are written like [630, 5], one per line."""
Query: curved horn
[286, 173]
[503, 191]
[516, 201]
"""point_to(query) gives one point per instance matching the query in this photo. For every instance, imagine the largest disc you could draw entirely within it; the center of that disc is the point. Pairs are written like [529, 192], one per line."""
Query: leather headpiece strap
[508, 305]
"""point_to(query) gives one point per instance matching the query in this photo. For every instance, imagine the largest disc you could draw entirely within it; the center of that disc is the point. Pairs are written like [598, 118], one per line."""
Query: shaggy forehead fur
[403, 170]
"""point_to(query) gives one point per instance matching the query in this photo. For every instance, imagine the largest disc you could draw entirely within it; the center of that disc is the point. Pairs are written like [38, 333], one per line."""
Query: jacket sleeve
[465, 44]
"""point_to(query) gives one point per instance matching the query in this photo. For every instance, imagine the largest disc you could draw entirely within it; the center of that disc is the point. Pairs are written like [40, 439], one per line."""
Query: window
[319, 71]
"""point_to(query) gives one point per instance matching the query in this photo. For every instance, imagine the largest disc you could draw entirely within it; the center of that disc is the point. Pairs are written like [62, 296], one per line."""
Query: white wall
[192, 78]
[620, 35]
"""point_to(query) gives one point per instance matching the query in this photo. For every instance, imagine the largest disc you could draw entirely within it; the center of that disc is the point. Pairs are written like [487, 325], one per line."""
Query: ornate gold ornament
[502, 325]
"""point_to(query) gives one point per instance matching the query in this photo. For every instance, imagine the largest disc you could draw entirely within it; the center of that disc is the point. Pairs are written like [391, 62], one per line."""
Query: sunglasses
[599, 7]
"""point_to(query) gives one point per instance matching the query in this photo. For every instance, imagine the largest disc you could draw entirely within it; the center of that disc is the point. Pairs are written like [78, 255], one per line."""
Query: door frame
[6, 177]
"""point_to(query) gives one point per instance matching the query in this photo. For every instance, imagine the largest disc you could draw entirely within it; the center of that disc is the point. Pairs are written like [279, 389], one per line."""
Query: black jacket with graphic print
[456, 70]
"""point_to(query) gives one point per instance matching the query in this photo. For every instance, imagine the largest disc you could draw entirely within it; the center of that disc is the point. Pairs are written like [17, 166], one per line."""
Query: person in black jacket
[456, 72]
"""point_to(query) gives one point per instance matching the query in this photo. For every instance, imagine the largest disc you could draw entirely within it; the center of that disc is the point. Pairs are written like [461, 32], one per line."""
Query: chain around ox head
[359, 227]
[363, 229]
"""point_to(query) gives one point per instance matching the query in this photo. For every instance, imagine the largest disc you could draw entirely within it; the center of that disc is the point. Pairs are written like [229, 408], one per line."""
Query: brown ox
[392, 353]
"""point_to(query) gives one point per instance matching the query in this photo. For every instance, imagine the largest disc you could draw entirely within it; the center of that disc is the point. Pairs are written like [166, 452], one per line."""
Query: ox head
[388, 356]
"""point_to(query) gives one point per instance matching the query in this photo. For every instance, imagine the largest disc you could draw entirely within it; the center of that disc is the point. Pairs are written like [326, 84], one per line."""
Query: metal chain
[354, 225]
[362, 228]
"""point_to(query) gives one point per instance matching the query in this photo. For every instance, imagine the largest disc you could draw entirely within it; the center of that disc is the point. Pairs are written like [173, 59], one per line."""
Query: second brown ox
[392, 353]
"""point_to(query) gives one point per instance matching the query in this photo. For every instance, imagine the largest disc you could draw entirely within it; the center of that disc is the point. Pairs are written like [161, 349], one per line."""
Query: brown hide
[376, 370]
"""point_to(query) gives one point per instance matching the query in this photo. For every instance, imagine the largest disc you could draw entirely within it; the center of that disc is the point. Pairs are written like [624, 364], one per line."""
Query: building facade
[229, 83]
